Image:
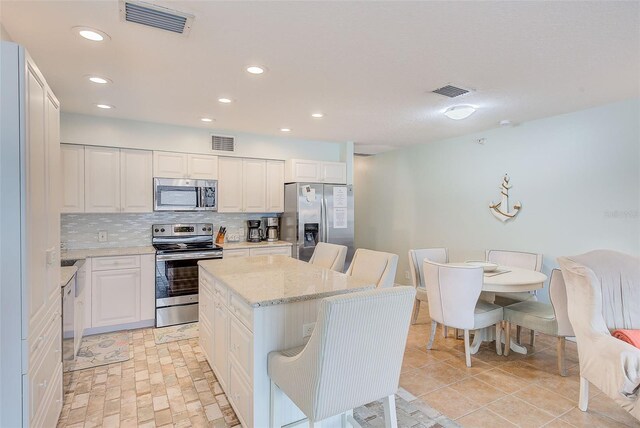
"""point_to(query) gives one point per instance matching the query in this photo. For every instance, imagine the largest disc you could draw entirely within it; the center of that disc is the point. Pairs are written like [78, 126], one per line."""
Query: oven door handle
[188, 256]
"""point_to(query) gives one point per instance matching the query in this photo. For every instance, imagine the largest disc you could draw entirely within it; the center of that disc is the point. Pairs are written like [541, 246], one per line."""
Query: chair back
[416, 257]
[329, 256]
[453, 292]
[603, 287]
[375, 267]
[354, 365]
[558, 294]
[517, 259]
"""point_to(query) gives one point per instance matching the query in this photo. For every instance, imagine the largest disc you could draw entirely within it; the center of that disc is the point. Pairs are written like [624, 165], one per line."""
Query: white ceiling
[369, 66]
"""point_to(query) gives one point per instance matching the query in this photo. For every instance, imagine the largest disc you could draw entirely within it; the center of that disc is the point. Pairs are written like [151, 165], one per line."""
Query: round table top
[513, 280]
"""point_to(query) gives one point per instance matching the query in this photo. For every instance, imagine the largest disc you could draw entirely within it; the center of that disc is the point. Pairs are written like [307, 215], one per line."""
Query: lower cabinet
[284, 250]
[221, 347]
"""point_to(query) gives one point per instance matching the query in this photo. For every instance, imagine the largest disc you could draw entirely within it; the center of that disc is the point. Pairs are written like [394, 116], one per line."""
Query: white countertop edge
[83, 253]
[244, 244]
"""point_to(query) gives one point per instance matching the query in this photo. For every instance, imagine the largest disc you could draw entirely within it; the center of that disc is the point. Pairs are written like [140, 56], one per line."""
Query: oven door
[177, 277]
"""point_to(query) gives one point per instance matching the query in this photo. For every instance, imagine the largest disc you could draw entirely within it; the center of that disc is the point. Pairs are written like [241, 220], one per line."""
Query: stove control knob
[209, 229]
[204, 229]
[156, 230]
[162, 230]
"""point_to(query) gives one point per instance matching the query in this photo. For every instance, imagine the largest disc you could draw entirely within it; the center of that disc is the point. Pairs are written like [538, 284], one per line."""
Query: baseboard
[119, 327]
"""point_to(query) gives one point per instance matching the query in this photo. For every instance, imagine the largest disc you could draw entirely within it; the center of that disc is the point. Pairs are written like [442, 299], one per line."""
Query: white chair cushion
[486, 314]
[536, 316]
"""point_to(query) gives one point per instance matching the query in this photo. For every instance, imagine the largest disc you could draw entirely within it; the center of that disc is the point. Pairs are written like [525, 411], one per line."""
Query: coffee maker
[271, 228]
[254, 233]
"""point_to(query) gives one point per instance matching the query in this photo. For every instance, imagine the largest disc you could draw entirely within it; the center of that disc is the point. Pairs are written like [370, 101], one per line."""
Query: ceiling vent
[223, 143]
[451, 91]
[155, 16]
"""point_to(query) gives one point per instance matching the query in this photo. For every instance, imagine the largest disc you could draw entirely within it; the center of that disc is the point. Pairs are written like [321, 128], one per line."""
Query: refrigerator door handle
[325, 225]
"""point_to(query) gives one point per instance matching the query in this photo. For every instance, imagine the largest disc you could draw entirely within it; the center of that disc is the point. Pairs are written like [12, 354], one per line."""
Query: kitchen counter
[274, 280]
[242, 245]
[106, 252]
[66, 274]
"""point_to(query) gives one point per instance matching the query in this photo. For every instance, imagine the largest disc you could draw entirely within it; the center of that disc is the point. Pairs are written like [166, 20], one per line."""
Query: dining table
[506, 279]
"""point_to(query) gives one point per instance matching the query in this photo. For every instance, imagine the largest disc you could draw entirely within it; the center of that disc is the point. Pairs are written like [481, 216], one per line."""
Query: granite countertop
[66, 273]
[273, 280]
[244, 244]
[106, 252]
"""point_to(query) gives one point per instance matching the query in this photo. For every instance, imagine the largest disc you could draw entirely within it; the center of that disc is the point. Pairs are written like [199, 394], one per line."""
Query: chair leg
[532, 340]
[518, 331]
[274, 421]
[434, 326]
[499, 338]
[562, 362]
[467, 349]
[390, 418]
[416, 309]
[457, 333]
[584, 394]
[445, 331]
[507, 338]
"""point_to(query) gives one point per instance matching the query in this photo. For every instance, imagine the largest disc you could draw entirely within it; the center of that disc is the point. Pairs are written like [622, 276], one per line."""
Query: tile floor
[172, 385]
[497, 391]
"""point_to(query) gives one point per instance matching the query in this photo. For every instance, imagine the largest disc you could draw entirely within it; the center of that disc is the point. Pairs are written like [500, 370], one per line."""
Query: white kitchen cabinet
[102, 179]
[72, 159]
[240, 252]
[136, 183]
[254, 185]
[185, 165]
[115, 297]
[275, 186]
[271, 251]
[221, 338]
[310, 171]
[230, 185]
[147, 287]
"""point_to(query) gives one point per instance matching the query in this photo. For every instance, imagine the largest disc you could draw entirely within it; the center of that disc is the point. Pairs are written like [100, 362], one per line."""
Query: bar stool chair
[329, 256]
[346, 364]
[374, 266]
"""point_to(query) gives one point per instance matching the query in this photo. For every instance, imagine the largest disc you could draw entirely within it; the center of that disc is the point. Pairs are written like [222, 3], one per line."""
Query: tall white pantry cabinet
[30, 315]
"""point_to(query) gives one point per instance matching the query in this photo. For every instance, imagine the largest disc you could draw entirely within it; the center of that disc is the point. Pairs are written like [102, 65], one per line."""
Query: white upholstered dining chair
[603, 291]
[551, 319]
[346, 364]
[329, 256]
[416, 257]
[453, 296]
[376, 267]
[522, 260]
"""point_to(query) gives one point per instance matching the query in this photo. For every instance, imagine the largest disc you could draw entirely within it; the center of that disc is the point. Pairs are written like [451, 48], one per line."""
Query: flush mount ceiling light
[206, 119]
[285, 129]
[459, 112]
[317, 115]
[99, 80]
[224, 100]
[254, 69]
[105, 106]
[92, 34]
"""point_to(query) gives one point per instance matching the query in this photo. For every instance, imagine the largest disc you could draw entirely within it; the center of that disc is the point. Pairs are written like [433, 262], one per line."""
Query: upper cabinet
[72, 159]
[310, 171]
[250, 185]
[185, 165]
[136, 189]
[102, 180]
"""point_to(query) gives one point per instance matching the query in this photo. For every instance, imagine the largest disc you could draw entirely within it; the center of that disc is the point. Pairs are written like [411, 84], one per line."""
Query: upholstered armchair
[330, 256]
[603, 294]
[376, 267]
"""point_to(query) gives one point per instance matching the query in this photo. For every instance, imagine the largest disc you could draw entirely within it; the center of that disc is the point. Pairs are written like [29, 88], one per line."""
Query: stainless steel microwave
[182, 194]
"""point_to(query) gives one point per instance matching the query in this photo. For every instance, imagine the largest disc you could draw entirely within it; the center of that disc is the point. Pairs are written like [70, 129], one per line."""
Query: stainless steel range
[179, 247]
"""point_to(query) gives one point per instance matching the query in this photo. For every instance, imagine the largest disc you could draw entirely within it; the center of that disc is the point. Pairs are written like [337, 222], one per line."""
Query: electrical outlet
[407, 275]
[102, 236]
[307, 329]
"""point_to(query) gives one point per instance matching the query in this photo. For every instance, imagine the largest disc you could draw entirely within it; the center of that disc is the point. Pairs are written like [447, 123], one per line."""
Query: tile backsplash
[79, 231]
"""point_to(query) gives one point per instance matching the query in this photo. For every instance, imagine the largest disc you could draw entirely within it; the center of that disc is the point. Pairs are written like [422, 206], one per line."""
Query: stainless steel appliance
[254, 233]
[271, 228]
[317, 213]
[179, 247]
[178, 194]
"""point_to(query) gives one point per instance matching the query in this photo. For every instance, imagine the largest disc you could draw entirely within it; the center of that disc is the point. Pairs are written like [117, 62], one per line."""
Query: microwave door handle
[200, 197]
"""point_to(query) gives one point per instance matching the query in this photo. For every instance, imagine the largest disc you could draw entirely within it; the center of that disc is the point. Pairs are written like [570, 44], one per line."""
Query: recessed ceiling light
[317, 115]
[254, 69]
[459, 112]
[99, 80]
[285, 129]
[224, 100]
[206, 119]
[92, 34]
[105, 106]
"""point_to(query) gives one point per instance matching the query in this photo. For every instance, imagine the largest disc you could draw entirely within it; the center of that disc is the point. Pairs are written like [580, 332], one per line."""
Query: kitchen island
[252, 306]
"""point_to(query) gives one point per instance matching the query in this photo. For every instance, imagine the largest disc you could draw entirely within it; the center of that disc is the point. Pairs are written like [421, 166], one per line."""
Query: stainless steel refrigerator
[317, 213]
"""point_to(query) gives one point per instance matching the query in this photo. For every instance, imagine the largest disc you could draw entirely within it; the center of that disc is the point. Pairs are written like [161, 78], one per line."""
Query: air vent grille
[451, 91]
[156, 16]
[223, 143]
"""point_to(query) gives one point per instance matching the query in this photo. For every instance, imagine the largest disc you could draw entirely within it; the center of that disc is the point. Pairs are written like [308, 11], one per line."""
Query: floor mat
[100, 349]
[176, 332]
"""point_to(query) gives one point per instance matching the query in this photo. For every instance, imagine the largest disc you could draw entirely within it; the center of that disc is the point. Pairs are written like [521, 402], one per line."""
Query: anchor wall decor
[501, 210]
